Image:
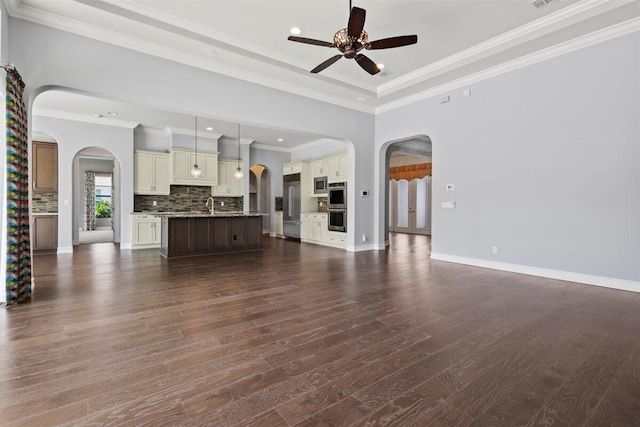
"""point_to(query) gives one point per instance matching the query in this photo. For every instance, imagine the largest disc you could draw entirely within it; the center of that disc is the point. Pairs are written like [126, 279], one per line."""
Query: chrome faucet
[212, 208]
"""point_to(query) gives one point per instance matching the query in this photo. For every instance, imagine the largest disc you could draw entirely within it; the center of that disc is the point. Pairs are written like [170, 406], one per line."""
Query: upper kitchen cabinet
[228, 184]
[181, 162]
[151, 171]
[45, 167]
[338, 168]
[291, 168]
[320, 168]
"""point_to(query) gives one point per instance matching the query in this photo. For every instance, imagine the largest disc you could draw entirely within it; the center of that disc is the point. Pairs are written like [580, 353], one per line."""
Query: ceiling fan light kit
[351, 40]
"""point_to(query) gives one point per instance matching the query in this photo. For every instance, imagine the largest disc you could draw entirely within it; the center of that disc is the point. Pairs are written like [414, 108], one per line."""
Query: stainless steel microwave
[320, 185]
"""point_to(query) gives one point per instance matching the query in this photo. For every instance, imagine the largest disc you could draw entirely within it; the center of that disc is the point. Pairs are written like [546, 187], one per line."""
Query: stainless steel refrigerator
[291, 206]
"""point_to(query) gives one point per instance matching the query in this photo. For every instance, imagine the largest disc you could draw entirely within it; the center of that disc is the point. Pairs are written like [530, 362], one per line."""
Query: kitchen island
[188, 234]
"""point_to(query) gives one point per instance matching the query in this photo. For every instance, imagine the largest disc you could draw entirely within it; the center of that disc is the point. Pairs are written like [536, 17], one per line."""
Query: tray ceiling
[248, 38]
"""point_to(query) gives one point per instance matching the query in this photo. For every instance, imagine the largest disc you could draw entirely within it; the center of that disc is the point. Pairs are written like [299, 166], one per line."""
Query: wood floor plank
[578, 396]
[307, 334]
[620, 404]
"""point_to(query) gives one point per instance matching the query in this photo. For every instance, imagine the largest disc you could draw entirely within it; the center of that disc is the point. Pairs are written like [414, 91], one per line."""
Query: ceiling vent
[541, 3]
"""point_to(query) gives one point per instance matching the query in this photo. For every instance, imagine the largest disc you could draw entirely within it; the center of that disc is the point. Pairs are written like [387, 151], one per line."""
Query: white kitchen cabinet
[337, 239]
[146, 231]
[279, 231]
[320, 227]
[151, 173]
[338, 168]
[181, 162]
[314, 228]
[306, 227]
[320, 168]
[291, 168]
[228, 184]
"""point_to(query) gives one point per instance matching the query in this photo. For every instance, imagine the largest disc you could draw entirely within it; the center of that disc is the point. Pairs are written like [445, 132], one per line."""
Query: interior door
[410, 206]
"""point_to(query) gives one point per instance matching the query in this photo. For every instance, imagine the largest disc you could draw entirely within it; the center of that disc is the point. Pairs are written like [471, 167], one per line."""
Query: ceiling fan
[351, 40]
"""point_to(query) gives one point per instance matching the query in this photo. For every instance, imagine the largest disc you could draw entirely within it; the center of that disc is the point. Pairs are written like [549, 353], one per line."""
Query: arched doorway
[409, 193]
[260, 194]
[407, 186]
[96, 217]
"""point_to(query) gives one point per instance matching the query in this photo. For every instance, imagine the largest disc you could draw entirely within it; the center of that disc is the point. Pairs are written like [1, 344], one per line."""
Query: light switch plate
[449, 205]
[451, 187]
[466, 92]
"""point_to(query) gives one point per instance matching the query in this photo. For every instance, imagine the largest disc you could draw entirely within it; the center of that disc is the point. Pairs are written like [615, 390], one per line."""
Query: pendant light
[195, 170]
[238, 173]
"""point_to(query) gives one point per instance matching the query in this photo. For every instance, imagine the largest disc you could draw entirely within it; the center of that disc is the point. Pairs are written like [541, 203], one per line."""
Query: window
[103, 195]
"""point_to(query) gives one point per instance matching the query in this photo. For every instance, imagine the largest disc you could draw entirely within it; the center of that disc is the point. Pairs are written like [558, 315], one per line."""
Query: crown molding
[562, 16]
[147, 130]
[615, 31]
[28, 13]
[64, 115]
[191, 132]
[217, 39]
[269, 147]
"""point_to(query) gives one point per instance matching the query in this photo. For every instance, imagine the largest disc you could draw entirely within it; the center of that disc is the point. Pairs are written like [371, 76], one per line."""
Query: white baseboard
[127, 246]
[587, 279]
[65, 250]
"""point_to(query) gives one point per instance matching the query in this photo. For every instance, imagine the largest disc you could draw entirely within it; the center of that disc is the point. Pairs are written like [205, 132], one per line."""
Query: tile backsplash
[183, 198]
[44, 202]
[322, 204]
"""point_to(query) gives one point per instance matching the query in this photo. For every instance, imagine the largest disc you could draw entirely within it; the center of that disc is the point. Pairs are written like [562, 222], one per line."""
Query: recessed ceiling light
[381, 66]
[112, 113]
[209, 128]
[280, 139]
[295, 31]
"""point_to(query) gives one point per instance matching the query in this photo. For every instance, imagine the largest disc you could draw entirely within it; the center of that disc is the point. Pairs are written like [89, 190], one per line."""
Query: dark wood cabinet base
[190, 236]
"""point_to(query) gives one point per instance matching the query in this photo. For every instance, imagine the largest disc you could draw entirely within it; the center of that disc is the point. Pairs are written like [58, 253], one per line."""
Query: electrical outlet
[154, 203]
[494, 249]
[222, 203]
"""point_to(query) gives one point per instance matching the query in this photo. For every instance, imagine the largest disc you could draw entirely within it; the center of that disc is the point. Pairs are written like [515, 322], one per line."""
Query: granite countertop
[202, 214]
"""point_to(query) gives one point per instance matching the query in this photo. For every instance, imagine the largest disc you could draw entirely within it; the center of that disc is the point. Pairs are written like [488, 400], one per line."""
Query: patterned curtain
[89, 221]
[18, 282]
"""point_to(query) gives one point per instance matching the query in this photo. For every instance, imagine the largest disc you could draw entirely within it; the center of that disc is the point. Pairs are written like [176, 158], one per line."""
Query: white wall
[320, 149]
[151, 141]
[188, 141]
[72, 137]
[545, 162]
[52, 58]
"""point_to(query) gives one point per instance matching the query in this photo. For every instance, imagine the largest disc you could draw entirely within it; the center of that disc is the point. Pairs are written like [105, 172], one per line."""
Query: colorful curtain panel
[18, 283]
[89, 221]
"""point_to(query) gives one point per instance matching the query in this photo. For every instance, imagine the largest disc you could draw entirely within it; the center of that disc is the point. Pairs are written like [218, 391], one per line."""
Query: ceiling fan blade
[326, 63]
[393, 42]
[356, 22]
[368, 65]
[310, 41]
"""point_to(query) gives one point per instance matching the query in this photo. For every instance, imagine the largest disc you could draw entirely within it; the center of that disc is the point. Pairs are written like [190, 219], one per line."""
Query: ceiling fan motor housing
[348, 45]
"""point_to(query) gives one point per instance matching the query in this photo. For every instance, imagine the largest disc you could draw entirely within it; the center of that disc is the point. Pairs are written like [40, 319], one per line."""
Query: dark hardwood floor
[306, 335]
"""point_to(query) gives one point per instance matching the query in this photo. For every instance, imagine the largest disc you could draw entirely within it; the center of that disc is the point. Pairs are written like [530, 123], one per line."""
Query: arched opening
[96, 199]
[407, 186]
[260, 194]
[44, 193]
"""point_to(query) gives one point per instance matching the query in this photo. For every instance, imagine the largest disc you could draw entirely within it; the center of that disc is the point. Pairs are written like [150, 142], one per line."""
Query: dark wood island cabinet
[200, 234]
